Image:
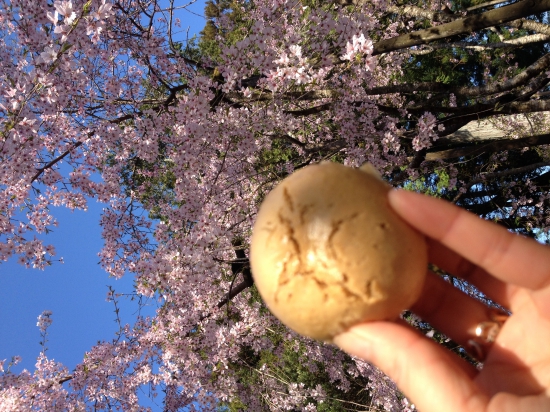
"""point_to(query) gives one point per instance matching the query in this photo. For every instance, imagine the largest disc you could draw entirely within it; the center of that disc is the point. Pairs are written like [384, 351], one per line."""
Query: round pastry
[328, 252]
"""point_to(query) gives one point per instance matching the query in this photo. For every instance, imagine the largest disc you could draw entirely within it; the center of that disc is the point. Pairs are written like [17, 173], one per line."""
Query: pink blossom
[48, 55]
[426, 134]
[105, 11]
[370, 63]
[358, 45]
[53, 17]
[296, 50]
[44, 320]
[65, 8]
[282, 60]
[247, 92]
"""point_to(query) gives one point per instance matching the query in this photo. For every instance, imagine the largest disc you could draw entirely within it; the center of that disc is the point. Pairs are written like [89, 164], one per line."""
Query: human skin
[511, 270]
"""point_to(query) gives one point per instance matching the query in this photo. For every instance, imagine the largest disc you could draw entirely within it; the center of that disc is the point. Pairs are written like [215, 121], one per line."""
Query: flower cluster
[44, 320]
[360, 46]
[426, 133]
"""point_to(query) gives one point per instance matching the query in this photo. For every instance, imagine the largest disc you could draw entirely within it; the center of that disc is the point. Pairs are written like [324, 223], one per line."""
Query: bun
[328, 252]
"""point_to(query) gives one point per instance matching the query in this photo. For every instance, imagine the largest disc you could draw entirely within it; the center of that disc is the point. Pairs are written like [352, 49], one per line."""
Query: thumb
[430, 376]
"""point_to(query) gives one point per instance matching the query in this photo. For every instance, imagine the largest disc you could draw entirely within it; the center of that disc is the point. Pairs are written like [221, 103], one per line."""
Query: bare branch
[415, 163]
[170, 41]
[415, 11]
[467, 25]
[289, 138]
[469, 114]
[525, 107]
[65, 379]
[519, 42]
[240, 265]
[535, 69]
[309, 111]
[497, 175]
[494, 146]
[531, 25]
[264, 95]
[489, 3]
[234, 292]
[54, 161]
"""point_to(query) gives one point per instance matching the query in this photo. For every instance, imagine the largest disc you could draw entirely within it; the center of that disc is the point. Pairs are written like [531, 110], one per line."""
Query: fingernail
[355, 343]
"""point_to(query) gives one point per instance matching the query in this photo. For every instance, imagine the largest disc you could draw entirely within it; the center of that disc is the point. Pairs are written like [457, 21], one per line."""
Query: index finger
[508, 257]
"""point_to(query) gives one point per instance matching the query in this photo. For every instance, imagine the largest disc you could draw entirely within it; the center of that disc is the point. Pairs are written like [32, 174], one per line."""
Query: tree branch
[530, 72]
[497, 175]
[65, 379]
[474, 113]
[531, 25]
[494, 146]
[415, 11]
[489, 3]
[519, 42]
[525, 107]
[54, 161]
[264, 95]
[309, 111]
[511, 172]
[235, 291]
[464, 26]
[240, 265]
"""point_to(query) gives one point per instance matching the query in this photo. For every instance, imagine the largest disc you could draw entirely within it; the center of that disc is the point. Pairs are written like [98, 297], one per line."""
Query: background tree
[188, 142]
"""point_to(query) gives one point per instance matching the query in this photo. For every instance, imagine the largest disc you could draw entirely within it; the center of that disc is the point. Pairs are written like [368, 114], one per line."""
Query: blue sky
[74, 291]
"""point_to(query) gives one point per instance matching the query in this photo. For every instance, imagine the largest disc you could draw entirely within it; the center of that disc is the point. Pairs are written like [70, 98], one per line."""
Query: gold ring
[486, 333]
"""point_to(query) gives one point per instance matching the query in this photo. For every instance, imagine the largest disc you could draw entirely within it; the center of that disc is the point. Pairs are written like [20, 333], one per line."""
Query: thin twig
[54, 161]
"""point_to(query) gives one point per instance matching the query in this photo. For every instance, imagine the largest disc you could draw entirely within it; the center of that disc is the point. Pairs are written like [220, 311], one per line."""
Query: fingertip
[395, 197]
[401, 200]
[356, 342]
[428, 374]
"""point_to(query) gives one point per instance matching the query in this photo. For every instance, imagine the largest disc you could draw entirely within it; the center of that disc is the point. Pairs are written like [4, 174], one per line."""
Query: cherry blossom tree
[100, 100]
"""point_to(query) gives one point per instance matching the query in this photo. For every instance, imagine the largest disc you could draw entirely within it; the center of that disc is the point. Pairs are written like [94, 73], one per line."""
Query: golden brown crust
[328, 252]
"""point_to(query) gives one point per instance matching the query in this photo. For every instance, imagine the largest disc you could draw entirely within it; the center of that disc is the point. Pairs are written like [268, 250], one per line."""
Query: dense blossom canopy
[99, 101]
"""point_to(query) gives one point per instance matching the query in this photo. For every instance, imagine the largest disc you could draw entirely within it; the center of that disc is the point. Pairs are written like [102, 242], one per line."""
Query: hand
[509, 269]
